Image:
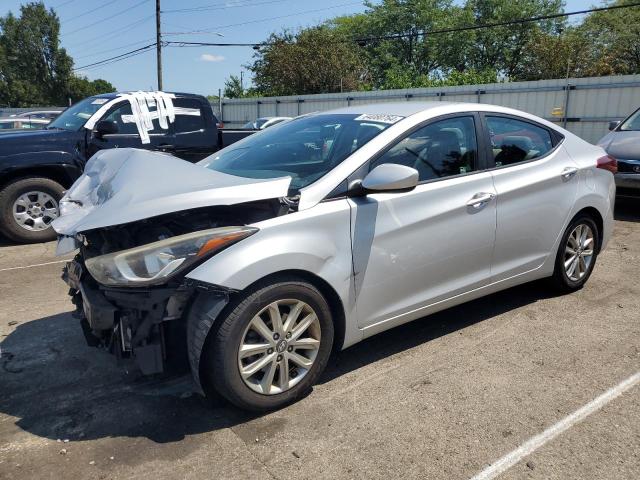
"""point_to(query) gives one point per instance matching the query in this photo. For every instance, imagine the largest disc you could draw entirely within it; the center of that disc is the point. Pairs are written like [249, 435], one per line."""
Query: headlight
[155, 262]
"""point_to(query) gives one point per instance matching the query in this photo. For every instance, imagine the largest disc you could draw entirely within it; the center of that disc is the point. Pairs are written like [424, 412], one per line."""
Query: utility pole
[158, 45]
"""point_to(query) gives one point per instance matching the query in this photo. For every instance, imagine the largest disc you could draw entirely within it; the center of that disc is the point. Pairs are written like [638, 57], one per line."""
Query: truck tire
[28, 205]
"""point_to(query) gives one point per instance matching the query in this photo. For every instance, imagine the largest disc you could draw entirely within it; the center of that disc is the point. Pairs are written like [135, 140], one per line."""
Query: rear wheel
[577, 254]
[271, 347]
[27, 208]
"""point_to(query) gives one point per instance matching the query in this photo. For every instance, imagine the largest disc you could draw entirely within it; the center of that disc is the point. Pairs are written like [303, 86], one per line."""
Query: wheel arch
[328, 292]
[597, 218]
[64, 175]
[207, 311]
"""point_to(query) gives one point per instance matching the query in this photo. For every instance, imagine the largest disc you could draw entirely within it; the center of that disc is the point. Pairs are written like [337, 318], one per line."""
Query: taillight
[608, 163]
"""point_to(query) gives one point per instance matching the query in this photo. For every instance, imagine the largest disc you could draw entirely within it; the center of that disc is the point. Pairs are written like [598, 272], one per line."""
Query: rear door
[536, 183]
[417, 248]
[195, 134]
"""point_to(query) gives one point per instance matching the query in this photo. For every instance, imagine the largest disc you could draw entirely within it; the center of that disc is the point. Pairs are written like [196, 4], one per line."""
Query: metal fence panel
[591, 102]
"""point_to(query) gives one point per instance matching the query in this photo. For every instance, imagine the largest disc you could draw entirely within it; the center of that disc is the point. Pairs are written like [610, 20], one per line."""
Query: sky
[94, 30]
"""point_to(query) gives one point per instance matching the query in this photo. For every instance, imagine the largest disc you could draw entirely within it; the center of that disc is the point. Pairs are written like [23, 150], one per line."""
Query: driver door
[415, 249]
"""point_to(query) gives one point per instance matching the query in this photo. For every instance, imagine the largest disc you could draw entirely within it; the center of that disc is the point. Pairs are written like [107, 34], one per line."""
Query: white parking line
[34, 265]
[509, 460]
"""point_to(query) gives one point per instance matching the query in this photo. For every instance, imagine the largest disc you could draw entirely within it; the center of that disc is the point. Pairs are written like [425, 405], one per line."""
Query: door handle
[480, 200]
[568, 173]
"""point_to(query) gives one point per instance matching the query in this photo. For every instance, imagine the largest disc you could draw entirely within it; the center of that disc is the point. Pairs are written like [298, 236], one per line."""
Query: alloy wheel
[279, 346]
[34, 211]
[578, 253]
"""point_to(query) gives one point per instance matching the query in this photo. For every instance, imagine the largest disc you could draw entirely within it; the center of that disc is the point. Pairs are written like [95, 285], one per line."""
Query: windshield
[304, 149]
[74, 117]
[632, 123]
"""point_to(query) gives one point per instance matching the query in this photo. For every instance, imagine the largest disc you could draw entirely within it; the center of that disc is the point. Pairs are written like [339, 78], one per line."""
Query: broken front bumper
[142, 325]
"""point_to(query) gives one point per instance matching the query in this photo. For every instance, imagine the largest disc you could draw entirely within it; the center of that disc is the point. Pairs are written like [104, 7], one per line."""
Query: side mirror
[390, 177]
[614, 125]
[105, 127]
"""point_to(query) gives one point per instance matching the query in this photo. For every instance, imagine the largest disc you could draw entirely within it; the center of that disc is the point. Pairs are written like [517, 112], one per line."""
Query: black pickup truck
[37, 166]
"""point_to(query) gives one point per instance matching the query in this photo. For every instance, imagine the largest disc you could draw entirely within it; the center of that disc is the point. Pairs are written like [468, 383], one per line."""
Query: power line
[115, 61]
[120, 47]
[64, 3]
[496, 24]
[106, 4]
[116, 32]
[102, 20]
[217, 6]
[425, 32]
[117, 57]
[266, 19]
[209, 44]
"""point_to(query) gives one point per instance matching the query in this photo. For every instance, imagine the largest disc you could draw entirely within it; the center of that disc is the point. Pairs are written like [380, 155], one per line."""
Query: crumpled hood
[126, 184]
[622, 144]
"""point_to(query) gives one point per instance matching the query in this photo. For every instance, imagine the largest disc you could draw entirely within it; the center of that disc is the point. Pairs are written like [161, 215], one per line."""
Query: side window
[189, 117]
[515, 141]
[123, 116]
[441, 149]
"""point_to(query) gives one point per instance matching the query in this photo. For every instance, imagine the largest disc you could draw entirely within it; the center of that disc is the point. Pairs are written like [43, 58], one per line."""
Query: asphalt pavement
[522, 384]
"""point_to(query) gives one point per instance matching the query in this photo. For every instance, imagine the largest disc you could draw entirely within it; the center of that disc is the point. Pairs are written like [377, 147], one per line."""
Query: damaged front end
[133, 303]
[137, 243]
[140, 325]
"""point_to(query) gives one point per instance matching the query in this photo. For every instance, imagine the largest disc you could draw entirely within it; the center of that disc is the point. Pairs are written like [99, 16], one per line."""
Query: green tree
[412, 56]
[233, 87]
[504, 47]
[612, 41]
[81, 87]
[605, 43]
[34, 69]
[315, 60]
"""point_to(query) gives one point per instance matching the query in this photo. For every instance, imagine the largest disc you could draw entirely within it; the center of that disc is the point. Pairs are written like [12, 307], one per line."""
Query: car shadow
[57, 387]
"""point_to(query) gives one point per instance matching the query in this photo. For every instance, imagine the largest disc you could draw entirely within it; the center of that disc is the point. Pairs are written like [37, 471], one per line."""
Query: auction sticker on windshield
[374, 117]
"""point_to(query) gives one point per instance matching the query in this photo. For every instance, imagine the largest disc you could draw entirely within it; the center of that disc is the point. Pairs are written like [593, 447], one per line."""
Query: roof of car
[392, 108]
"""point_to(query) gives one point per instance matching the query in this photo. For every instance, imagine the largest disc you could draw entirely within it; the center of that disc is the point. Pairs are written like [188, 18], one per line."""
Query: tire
[32, 232]
[221, 365]
[561, 279]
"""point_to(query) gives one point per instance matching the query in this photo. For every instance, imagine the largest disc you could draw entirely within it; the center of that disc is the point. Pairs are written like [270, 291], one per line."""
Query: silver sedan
[308, 237]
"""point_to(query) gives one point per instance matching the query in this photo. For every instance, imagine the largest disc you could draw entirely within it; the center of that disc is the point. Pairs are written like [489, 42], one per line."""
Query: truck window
[123, 116]
[189, 116]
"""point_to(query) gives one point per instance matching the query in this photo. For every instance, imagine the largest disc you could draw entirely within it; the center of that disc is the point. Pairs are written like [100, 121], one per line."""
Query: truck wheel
[27, 208]
[270, 348]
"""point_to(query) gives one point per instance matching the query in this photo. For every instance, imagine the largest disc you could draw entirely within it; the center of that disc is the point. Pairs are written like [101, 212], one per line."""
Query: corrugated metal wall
[592, 102]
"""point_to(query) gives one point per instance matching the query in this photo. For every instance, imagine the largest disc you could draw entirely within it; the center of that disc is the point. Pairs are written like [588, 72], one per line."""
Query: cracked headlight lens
[155, 262]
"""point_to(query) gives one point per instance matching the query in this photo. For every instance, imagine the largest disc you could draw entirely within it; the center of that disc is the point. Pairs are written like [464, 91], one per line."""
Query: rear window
[515, 141]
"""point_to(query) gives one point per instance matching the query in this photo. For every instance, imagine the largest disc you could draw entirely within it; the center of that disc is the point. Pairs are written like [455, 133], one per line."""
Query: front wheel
[27, 208]
[576, 255]
[271, 347]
